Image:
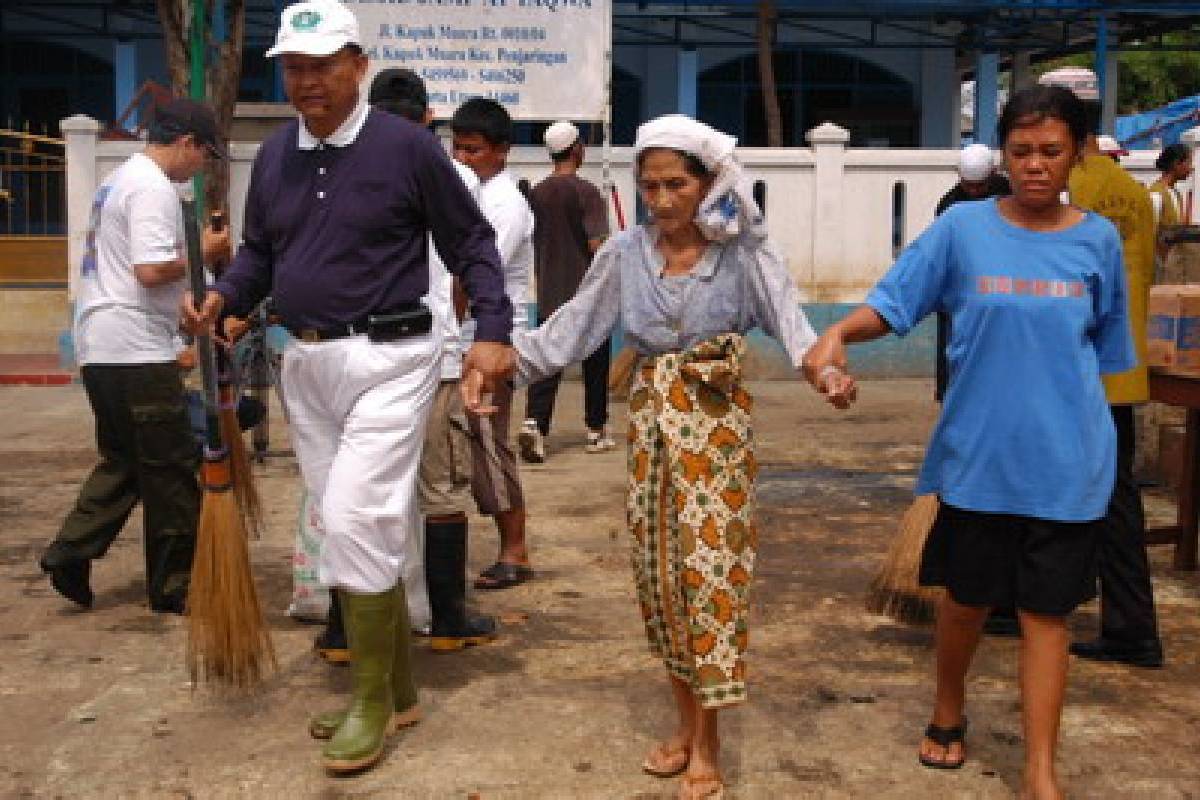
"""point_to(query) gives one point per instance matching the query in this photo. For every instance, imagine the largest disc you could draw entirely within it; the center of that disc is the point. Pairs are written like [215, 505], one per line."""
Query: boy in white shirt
[482, 135]
[126, 313]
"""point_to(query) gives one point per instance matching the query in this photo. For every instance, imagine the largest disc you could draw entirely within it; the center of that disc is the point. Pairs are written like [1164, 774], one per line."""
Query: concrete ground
[565, 705]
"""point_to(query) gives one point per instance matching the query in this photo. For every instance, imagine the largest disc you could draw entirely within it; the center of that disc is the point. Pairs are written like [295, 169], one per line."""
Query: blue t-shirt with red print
[1036, 317]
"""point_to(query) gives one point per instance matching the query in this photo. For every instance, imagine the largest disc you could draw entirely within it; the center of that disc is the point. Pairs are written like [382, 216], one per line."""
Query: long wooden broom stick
[228, 640]
[244, 488]
[896, 589]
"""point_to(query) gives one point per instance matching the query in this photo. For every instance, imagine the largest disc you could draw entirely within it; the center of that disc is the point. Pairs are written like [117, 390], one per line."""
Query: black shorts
[1009, 561]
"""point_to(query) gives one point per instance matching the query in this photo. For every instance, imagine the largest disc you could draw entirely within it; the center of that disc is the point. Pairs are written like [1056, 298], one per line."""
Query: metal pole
[197, 88]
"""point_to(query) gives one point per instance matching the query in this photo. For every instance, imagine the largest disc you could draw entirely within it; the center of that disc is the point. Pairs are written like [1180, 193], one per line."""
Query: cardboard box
[1173, 329]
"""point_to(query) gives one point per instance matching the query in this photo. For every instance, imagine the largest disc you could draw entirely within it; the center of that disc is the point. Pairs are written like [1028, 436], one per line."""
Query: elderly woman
[1024, 454]
[687, 285]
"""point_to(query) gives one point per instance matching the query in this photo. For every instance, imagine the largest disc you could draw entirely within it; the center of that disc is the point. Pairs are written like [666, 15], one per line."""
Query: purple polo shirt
[336, 233]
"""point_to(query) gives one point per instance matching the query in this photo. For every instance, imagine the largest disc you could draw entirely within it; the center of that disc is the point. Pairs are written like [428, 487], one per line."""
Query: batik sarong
[690, 509]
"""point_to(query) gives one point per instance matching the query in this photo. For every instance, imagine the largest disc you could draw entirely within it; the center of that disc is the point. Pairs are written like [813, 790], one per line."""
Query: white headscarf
[729, 208]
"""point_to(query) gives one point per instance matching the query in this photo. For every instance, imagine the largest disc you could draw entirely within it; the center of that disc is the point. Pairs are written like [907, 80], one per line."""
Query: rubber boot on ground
[404, 693]
[370, 621]
[446, 578]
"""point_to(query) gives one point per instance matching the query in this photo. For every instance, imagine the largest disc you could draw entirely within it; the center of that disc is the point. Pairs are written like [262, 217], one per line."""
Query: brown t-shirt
[567, 212]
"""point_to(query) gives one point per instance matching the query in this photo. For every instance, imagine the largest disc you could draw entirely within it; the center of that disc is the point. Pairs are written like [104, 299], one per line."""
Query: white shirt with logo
[136, 219]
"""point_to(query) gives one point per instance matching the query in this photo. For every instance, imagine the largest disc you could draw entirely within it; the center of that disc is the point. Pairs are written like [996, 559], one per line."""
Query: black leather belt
[326, 334]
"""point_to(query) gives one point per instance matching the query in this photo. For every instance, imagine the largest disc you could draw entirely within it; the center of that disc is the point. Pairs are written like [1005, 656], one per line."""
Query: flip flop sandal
[944, 737]
[503, 576]
[653, 763]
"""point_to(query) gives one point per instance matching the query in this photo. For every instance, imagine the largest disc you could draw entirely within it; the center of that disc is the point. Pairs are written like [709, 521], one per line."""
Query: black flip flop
[944, 737]
[503, 576]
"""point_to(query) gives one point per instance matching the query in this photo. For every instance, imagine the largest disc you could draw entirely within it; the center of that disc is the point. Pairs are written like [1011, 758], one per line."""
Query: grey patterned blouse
[737, 285]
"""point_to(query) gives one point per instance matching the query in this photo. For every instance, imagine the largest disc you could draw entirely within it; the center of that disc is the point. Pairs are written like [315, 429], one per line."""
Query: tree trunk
[766, 72]
[223, 73]
[224, 77]
[175, 19]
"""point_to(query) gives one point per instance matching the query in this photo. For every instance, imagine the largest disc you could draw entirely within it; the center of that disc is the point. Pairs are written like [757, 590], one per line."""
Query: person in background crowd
[132, 277]
[1128, 621]
[482, 134]
[570, 224]
[1175, 165]
[444, 477]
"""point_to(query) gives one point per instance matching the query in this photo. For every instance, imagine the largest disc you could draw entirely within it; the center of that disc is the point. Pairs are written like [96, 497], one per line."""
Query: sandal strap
[944, 737]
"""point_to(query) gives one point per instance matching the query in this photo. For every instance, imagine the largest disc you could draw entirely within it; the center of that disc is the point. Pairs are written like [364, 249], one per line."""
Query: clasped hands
[825, 368]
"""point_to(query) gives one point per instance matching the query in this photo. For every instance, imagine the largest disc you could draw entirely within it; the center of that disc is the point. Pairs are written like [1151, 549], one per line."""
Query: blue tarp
[1160, 127]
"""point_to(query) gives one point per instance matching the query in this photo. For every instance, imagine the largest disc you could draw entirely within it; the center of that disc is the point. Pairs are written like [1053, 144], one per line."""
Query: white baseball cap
[1110, 146]
[560, 136]
[315, 28]
[975, 162]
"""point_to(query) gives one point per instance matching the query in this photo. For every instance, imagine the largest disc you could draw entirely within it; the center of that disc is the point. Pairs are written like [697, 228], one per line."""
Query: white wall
[829, 208]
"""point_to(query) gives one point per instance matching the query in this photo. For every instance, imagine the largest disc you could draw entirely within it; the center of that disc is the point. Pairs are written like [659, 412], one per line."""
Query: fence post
[828, 142]
[81, 134]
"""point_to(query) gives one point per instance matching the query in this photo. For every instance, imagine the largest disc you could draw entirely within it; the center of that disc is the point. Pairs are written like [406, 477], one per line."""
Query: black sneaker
[170, 604]
[1145, 653]
[72, 580]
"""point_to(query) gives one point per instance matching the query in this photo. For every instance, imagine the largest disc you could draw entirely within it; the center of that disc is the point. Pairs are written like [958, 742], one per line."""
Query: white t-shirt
[506, 209]
[136, 219]
[441, 294]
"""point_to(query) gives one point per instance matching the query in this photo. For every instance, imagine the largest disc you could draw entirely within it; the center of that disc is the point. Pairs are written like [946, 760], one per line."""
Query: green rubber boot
[404, 692]
[370, 621]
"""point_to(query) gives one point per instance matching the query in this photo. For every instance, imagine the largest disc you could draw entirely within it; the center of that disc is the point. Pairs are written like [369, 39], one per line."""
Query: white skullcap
[1110, 146]
[315, 28]
[975, 162]
[560, 136]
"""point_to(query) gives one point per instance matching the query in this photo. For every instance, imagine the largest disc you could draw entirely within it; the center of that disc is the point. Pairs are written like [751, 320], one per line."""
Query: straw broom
[228, 641]
[895, 590]
[245, 491]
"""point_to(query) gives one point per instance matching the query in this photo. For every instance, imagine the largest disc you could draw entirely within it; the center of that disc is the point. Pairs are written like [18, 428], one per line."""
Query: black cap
[180, 116]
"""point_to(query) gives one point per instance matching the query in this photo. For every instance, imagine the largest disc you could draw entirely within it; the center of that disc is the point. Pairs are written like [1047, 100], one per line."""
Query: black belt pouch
[415, 320]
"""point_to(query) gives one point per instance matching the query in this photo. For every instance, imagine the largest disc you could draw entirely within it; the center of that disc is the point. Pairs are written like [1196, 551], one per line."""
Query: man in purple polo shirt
[338, 214]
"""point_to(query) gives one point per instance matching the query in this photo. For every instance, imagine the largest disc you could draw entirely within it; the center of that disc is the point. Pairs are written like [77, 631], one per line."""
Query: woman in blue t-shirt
[1023, 456]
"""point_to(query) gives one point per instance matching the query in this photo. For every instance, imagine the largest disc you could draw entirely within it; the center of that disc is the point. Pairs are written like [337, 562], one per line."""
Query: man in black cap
[131, 280]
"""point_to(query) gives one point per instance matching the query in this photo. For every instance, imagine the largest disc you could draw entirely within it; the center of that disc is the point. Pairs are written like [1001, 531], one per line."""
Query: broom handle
[204, 345]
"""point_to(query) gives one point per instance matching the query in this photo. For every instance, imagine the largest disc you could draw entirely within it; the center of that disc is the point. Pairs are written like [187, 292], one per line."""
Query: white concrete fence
[838, 214]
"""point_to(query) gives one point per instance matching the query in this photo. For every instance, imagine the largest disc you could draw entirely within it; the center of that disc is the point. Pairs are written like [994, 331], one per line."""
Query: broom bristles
[245, 490]
[896, 590]
[228, 640]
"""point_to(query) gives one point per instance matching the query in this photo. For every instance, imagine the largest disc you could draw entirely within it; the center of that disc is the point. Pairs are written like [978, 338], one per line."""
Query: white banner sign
[542, 59]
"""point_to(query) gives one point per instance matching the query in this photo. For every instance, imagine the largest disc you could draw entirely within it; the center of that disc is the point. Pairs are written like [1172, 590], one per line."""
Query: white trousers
[357, 413]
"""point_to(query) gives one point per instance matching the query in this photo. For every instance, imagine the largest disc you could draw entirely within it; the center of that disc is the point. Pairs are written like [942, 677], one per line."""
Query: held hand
[235, 328]
[829, 351]
[839, 387]
[496, 361]
[200, 322]
[476, 396]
